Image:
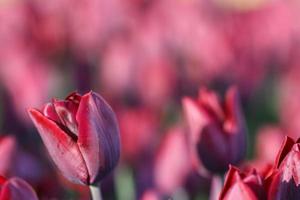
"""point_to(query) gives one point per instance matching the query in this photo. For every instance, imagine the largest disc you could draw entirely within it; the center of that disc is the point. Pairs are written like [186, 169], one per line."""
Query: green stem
[95, 192]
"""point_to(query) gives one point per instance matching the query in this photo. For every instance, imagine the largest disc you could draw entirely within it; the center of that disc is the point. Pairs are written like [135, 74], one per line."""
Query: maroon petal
[66, 111]
[235, 126]
[213, 150]
[61, 147]
[285, 148]
[98, 138]
[17, 189]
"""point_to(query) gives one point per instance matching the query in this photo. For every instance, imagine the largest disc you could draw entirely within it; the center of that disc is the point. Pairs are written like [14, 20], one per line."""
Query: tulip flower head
[16, 189]
[81, 135]
[217, 131]
[284, 183]
[239, 185]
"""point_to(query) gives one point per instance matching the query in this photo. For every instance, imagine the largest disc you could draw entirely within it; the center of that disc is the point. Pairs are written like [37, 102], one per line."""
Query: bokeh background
[143, 57]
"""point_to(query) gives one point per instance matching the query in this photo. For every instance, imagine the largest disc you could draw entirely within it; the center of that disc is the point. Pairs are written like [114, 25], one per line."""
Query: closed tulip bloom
[217, 131]
[239, 185]
[284, 183]
[16, 189]
[81, 135]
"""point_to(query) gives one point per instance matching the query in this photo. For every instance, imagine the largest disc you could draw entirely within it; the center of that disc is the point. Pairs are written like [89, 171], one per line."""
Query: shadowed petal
[98, 138]
[17, 189]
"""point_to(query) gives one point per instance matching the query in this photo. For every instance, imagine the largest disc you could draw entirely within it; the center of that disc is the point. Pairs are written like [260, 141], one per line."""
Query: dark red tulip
[284, 182]
[16, 189]
[217, 131]
[239, 185]
[81, 134]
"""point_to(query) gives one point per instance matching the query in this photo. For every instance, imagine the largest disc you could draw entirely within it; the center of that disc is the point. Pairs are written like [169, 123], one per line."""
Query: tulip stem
[95, 192]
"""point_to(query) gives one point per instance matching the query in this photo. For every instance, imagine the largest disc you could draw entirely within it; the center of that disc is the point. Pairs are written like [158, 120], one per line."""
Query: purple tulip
[16, 189]
[218, 131]
[82, 136]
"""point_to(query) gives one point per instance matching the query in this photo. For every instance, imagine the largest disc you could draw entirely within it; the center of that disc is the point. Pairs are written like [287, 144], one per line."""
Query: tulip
[284, 182]
[218, 132]
[172, 162]
[81, 135]
[16, 189]
[239, 185]
[8, 154]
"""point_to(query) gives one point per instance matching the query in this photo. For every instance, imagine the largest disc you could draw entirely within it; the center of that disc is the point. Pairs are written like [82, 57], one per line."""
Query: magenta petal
[17, 189]
[8, 149]
[98, 138]
[63, 150]
[49, 111]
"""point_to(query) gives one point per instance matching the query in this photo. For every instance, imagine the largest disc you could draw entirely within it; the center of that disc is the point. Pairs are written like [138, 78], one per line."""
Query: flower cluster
[197, 97]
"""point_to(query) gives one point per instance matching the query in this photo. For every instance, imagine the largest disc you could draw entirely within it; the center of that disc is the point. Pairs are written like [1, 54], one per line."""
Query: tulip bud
[239, 185]
[16, 189]
[217, 131]
[81, 135]
[284, 182]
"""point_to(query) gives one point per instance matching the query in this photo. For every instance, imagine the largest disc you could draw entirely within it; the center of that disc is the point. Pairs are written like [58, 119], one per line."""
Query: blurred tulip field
[174, 99]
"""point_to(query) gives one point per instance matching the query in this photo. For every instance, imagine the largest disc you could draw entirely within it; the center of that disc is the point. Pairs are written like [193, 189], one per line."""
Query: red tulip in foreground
[242, 186]
[218, 131]
[82, 136]
[284, 183]
[16, 189]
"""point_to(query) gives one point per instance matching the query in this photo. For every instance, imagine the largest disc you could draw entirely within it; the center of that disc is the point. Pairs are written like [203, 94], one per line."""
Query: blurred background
[143, 57]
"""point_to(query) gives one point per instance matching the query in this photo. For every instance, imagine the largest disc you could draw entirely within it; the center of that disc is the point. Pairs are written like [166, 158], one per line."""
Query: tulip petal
[235, 126]
[212, 149]
[196, 118]
[231, 177]
[61, 147]
[210, 101]
[66, 111]
[8, 149]
[98, 137]
[17, 189]
[285, 148]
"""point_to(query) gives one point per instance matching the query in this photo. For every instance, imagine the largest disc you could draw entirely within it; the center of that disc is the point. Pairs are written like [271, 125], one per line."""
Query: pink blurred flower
[116, 70]
[289, 99]
[18, 66]
[8, 150]
[151, 195]
[155, 81]
[138, 128]
[268, 142]
[172, 162]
